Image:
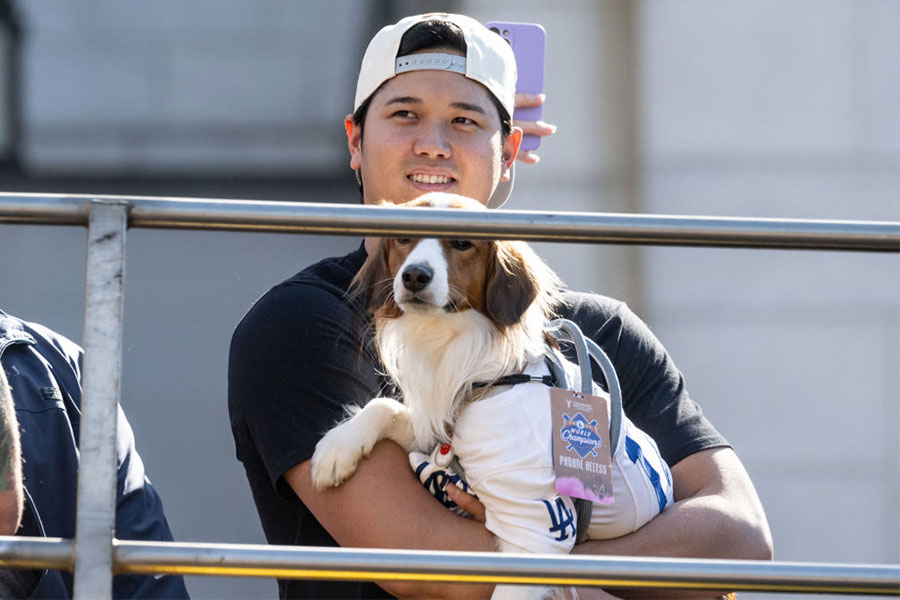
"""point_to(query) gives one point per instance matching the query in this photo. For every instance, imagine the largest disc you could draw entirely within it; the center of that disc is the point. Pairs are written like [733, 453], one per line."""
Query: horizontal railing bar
[245, 560]
[459, 567]
[579, 227]
[37, 553]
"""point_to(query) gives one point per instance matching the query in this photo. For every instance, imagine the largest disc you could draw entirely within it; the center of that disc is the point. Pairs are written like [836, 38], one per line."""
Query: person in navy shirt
[43, 369]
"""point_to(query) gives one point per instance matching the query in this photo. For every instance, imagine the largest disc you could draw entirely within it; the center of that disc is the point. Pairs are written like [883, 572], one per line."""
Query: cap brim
[503, 190]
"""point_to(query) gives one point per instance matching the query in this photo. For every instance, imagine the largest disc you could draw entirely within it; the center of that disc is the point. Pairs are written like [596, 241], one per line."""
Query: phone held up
[528, 41]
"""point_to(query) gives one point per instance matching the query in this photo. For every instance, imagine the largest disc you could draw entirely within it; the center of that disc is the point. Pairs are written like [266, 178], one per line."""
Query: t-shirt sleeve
[653, 389]
[296, 361]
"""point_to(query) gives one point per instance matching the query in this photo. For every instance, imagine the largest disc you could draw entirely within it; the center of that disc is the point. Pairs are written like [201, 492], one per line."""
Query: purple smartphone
[528, 41]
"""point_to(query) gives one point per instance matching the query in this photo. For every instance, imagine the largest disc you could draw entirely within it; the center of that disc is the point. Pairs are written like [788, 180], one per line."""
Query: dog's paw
[337, 456]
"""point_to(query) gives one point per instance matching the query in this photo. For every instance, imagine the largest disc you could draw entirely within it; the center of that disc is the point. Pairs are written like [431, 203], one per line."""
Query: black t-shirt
[301, 354]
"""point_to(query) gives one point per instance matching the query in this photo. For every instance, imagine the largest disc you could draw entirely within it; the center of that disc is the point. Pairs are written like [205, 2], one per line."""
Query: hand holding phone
[528, 42]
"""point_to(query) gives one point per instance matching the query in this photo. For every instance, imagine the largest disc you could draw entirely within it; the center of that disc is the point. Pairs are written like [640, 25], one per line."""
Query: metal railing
[539, 226]
[94, 555]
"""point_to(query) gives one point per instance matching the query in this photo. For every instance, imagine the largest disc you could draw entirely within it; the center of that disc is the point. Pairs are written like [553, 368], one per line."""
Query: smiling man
[429, 132]
[435, 121]
[432, 113]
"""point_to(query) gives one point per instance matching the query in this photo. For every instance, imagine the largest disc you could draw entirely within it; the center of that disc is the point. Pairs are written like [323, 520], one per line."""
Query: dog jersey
[503, 442]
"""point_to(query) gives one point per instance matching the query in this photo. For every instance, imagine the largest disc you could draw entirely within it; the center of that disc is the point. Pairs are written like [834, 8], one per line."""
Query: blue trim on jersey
[636, 454]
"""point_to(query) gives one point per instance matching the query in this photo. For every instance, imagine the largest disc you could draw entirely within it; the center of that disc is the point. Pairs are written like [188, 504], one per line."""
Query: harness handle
[585, 346]
[584, 349]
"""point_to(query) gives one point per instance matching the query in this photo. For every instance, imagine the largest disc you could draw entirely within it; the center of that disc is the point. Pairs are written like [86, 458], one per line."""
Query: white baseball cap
[489, 60]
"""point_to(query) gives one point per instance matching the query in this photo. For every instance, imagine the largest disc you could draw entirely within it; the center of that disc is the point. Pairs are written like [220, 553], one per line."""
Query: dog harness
[548, 380]
[504, 442]
[585, 349]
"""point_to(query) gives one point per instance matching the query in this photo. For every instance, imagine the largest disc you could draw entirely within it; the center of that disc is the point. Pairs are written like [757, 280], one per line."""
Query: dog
[451, 318]
[448, 314]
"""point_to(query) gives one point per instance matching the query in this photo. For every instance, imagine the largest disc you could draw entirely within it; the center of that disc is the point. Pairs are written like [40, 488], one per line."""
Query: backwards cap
[489, 60]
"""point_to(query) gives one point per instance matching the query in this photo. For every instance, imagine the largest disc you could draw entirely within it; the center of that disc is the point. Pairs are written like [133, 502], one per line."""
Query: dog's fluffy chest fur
[435, 358]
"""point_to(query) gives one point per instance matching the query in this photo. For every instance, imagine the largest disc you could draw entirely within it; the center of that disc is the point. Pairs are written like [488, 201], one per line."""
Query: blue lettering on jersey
[561, 519]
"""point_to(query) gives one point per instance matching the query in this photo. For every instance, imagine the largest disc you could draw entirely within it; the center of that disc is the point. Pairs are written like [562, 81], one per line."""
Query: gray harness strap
[585, 349]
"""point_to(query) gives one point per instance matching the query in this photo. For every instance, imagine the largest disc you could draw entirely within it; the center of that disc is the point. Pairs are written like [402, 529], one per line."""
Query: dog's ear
[510, 285]
[373, 284]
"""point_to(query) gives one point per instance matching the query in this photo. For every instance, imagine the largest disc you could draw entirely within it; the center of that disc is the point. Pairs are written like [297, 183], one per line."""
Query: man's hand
[538, 128]
[469, 503]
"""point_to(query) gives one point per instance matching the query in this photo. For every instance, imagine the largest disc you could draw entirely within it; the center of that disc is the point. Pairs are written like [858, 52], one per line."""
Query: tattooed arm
[11, 500]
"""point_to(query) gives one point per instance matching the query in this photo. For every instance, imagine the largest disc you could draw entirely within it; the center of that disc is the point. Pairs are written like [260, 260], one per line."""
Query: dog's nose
[416, 277]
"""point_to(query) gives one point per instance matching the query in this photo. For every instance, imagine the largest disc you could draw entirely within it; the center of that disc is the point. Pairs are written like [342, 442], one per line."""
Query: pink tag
[581, 455]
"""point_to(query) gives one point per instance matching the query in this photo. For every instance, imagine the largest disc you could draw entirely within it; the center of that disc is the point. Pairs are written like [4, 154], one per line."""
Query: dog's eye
[460, 244]
[403, 241]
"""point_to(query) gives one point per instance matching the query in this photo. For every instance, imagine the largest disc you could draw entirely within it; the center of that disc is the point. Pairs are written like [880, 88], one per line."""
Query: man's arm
[716, 514]
[385, 506]
[11, 495]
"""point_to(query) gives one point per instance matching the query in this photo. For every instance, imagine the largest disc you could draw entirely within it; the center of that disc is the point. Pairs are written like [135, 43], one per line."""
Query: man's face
[431, 131]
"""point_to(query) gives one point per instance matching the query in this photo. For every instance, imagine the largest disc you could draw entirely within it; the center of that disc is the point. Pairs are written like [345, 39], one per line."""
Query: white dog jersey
[503, 442]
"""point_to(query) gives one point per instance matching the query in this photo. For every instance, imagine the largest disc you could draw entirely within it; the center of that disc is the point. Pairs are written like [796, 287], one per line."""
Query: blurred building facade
[737, 108]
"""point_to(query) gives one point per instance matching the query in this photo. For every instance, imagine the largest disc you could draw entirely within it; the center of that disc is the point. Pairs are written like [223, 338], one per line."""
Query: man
[44, 373]
[300, 355]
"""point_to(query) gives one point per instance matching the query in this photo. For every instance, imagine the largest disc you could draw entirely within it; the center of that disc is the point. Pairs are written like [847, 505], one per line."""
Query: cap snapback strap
[430, 61]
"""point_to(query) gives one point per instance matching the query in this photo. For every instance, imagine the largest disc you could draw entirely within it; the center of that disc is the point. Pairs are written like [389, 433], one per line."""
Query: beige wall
[760, 109]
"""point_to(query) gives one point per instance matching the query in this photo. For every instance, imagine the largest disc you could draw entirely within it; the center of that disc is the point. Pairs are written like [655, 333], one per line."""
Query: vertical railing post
[96, 505]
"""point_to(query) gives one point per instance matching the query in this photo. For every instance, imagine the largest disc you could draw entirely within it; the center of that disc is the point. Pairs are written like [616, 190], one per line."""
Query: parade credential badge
[581, 453]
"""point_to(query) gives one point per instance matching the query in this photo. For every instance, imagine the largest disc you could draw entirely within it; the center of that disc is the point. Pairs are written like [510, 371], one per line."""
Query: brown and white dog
[448, 313]
[452, 313]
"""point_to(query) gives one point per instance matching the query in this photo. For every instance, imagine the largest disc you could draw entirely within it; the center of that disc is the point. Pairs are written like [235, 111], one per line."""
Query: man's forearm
[717, 514]
[385, 506]
[706, 526]
[691, 528]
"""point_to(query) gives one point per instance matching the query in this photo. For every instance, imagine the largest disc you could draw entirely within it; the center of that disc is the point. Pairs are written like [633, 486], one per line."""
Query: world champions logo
[581, 435]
